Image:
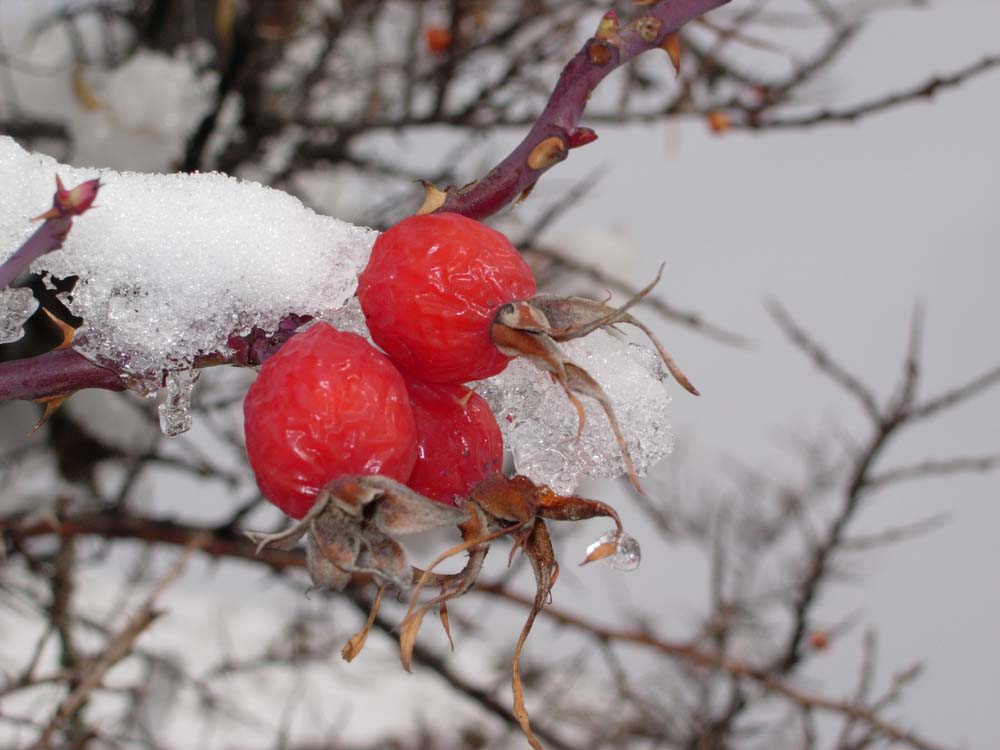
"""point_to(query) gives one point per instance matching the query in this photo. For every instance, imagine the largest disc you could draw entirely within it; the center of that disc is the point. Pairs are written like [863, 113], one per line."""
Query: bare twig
[119, 647]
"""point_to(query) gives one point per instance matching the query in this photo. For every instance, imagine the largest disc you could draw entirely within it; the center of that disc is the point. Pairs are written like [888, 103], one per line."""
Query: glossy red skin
[430, 290]
[327, 404]
[458, 442]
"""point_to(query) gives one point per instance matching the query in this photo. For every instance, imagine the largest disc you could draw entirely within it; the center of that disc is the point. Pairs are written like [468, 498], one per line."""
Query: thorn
[65, 329]
[434, 198]
[671, 44]
[51, 404]
[550, 151]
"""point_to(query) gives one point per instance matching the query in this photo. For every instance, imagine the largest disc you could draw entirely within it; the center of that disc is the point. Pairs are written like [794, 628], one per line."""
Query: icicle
[175, 411]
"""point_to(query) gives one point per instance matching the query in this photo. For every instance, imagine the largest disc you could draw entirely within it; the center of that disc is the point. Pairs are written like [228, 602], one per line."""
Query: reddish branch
[556, 129]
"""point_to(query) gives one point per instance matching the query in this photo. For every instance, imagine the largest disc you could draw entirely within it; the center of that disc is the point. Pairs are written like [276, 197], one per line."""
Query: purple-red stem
[560, 118]
[48, 237]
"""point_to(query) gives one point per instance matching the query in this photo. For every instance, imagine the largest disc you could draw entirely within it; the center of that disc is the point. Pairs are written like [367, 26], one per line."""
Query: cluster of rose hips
[362, 445]
[334, 425]
[329, 404]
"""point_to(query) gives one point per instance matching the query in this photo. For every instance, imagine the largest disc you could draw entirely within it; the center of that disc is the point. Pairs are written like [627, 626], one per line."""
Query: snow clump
[170, 265]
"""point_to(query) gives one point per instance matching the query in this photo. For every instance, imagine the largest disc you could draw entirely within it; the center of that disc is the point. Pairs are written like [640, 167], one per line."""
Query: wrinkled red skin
[458, 441]
[327, 404]
[430, 290]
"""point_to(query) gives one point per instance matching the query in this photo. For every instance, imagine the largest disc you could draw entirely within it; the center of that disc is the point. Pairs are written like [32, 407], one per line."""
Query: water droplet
[627, 554]
[175, 411]
[16, 306]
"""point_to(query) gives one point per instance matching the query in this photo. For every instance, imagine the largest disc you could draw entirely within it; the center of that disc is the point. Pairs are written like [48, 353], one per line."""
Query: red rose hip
[458, 441]
[326, 405]
[431, 289]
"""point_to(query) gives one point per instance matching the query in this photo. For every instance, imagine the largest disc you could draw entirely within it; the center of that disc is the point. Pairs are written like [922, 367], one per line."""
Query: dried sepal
[464, 581]
[400, 510]
[357, 641]
[556, 507]
[351, 526]
[443, 614]
[408, 631]
[538, 548]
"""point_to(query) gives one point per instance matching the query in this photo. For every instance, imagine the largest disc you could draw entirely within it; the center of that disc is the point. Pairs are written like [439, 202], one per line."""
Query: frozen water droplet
[627, 554]
[16, 306]
[143, 384]
[175, 411]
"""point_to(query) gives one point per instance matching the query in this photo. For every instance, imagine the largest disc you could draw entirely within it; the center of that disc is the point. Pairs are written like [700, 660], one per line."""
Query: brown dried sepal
[357, 641]
[351, 529]
[500, 506]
